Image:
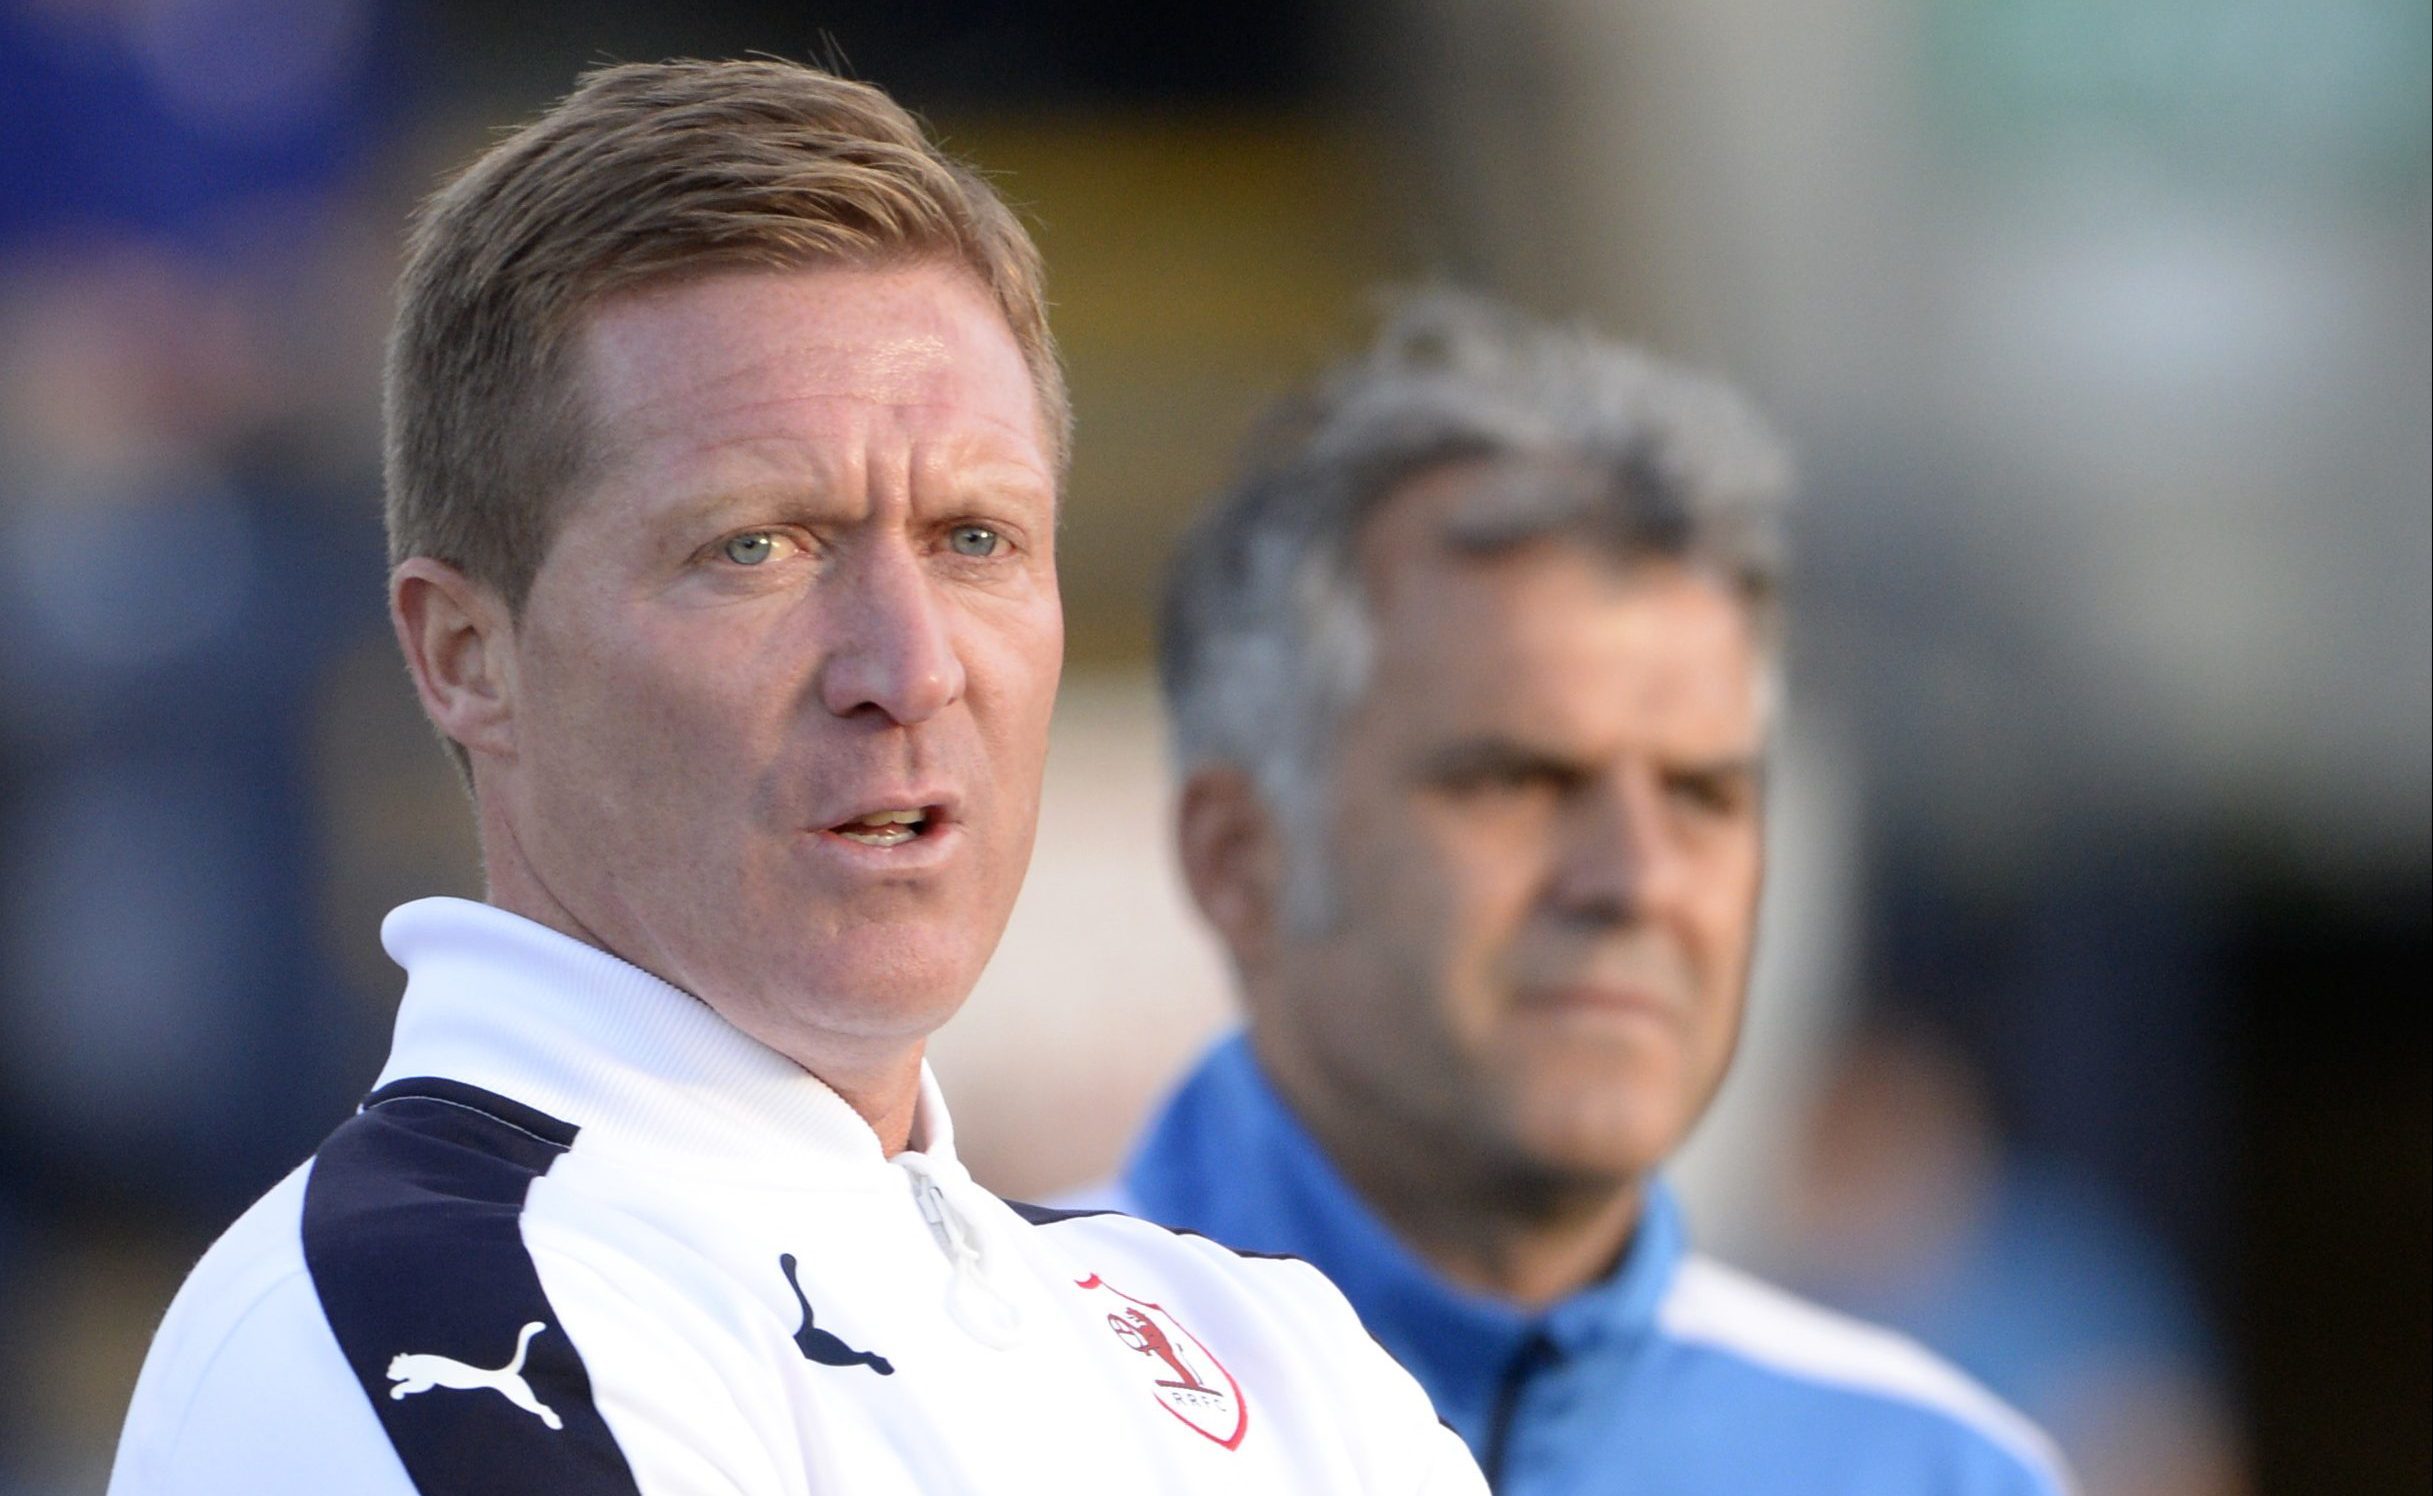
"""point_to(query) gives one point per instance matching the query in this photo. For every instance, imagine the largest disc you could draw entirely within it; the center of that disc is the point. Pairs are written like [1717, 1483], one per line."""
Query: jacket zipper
[971, 1300]
[1536, 1354]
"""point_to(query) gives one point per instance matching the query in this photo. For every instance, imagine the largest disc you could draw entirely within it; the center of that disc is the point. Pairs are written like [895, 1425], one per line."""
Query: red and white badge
[1186, 1376]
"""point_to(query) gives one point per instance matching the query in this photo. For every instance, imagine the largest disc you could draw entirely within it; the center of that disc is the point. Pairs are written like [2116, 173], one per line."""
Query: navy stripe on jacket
[413, 1237]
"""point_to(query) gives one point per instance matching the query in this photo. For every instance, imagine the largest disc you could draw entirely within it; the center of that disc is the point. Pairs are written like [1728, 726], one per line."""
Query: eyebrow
[1495, 754]
[789, 498]
[709, 509]
[1471, 757]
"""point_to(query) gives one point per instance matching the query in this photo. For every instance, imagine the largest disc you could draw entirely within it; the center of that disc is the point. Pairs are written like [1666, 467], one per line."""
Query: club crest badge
[1184, 1374]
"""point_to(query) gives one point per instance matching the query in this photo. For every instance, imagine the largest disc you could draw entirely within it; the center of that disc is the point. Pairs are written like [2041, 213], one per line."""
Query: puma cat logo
[421, 1373]
[820, 1345]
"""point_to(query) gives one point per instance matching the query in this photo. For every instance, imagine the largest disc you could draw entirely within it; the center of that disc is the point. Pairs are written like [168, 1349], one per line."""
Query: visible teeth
[884, 828]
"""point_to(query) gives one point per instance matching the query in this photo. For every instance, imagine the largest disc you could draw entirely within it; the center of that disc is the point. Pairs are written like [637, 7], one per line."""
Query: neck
[1528, 1236]
[1529, 1243]
[886, 1098]
[879, 1078]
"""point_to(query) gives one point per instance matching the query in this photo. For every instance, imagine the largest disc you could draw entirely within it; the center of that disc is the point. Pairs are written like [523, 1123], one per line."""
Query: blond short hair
[647, 172]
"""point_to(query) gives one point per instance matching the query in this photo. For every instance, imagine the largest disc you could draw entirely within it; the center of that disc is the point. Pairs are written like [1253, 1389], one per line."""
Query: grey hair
[1265, 642]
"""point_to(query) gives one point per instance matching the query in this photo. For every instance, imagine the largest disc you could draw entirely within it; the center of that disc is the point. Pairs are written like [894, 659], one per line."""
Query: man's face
[808, 582]
[1546, 855]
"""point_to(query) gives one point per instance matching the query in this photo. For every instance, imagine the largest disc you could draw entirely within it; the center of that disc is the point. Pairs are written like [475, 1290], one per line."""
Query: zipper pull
[971, 1301]
[932, 1202]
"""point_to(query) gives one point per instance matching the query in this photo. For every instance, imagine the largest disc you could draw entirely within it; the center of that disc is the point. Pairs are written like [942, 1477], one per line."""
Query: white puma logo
[421, 1373]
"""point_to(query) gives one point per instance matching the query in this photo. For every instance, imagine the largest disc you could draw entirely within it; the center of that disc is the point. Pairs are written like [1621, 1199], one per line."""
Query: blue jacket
[1674, 1375]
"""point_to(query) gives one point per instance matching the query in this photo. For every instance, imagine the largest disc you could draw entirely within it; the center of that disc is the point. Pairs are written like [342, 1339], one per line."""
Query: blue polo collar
[1284, 1195]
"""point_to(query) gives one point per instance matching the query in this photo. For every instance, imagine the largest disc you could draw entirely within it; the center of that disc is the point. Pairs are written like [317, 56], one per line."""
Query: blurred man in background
[725, 444]
[1471, 678]
[1905, 1206]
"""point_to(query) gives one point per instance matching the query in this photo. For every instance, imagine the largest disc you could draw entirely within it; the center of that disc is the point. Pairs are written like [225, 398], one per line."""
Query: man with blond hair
[725, 440]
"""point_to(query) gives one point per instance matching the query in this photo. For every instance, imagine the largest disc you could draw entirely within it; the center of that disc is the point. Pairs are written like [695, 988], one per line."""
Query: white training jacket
[586, 1236]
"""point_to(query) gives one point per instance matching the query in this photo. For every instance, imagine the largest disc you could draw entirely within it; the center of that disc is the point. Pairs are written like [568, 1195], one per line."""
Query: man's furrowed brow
[689, 514]
[1496, 755]
[1736, 761]
[1015, 485]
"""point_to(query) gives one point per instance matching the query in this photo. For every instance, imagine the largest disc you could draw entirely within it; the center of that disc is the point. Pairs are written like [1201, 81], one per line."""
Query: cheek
[1450, 901]
[1493, 896]
[1012, 665]
[1490, 865]
[633, 708]
[1725, 912]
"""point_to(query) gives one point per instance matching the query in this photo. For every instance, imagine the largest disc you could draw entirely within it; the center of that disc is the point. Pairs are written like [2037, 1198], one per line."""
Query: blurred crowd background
[2091, 1036]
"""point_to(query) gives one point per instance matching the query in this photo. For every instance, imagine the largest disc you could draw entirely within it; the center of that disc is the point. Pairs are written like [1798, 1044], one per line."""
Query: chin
[874, 988]
[1596, 1164]
[1595, 1138]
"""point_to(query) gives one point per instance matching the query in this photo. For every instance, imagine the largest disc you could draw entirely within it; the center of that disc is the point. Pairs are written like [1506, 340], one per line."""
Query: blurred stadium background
[2091, 1038]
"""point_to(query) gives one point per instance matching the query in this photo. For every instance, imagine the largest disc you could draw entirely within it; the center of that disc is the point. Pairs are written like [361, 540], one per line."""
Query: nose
[1618, 864]
[892, 647]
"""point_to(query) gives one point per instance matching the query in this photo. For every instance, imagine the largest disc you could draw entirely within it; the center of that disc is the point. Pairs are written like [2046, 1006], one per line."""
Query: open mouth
[887, 828]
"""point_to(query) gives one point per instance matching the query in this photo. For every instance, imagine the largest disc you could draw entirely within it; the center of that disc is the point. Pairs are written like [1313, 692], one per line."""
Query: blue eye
[973, 540]
[752, 549]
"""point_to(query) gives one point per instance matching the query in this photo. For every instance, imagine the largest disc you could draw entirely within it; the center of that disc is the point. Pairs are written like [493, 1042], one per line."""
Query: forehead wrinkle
[895, 371]
[672, 357]
[900, 350]
[897, 365]
[1482, 642]
[695, 444]
[900, 368]
[908, 373]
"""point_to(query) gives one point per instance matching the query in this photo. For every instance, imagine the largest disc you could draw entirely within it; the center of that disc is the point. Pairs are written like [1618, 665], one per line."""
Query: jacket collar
[498, 1001]
[1282, 1194]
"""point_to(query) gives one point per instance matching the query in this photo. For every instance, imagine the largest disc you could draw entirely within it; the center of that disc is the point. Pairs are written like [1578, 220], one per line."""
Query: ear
[458, 642]
[1233, 859]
